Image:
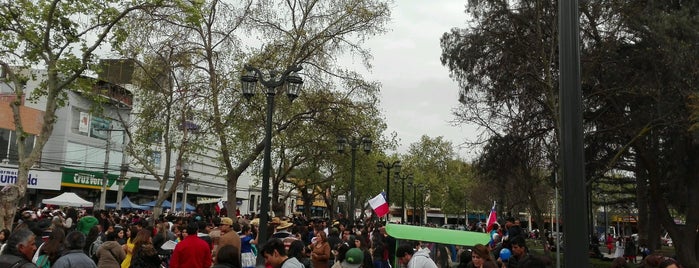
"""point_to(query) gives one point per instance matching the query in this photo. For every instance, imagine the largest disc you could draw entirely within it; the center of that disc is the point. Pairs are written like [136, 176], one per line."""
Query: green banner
[93, 180]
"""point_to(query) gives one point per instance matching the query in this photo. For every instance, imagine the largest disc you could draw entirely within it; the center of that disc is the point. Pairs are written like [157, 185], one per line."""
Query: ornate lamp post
[380, 166]
[293, 86]
[402, 180]
[354, 143]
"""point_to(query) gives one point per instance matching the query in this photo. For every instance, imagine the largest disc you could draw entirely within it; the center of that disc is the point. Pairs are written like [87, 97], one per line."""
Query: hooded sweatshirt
[110, 255]
[421, 259]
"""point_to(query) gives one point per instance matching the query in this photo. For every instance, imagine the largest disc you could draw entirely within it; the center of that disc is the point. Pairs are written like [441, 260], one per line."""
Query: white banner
[47, 180]
[84, 124]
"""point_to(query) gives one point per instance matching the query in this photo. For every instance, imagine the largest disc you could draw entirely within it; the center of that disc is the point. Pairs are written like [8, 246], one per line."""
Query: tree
[636, 114]
[47, 34]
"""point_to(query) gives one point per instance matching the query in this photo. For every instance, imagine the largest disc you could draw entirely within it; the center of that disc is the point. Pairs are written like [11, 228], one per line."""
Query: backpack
[92, 251]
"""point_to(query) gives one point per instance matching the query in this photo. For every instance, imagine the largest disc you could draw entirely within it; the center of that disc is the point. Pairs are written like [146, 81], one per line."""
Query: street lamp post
[416, 187]
[366, 146]
[185, 174]
[293, 85]
[380, 167]
[402, 180]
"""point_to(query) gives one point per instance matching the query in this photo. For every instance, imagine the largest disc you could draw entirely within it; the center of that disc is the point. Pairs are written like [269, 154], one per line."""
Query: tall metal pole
[381, 166]
[249, 82]
[266, 166]
[354, 145]
[105, 180]
[415, 186]
[572, 152]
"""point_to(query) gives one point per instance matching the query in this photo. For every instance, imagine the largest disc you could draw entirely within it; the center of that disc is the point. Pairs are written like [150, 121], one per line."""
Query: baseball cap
[226, 221]
[353, 258]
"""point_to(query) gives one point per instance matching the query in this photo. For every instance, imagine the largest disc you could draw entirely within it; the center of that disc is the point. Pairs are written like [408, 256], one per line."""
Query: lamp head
[248, 82]
[366, 144]
[341, 142]
[293, 85]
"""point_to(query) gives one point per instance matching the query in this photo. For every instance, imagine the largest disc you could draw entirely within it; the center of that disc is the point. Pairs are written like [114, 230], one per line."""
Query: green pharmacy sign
[93, 180]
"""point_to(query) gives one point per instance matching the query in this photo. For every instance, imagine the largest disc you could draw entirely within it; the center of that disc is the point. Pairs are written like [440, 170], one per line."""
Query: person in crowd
[228, 235]
[339, 253]
[669, 263]
[86, 223]
[19, 249]
[4, 235]
[354, 258]
[192, 251]
[390, 244]
[609, 241]
[442, 255]
[203, 233]
[274, 253]
[128, 247]
[630, 250]
[464, 259]
[320, 251]
[162, 235]
[178, 229]
[519, 252]
[144, 254]
[71, 219]
[379, 252]
[619, 252]
[360, 242]
[227, 257]
[333, 240]
[110, 254]
[247, 240]
[619, 262]
[481, 258]
[51, 249]
[407, 256]
[90, 245]
[298, 250]
[74, 256]
[120, 235]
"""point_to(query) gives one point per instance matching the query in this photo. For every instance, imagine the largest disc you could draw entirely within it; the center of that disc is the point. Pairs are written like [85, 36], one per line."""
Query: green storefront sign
[93, 180]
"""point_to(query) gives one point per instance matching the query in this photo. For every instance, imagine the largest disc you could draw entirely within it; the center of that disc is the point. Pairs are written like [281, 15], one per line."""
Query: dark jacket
[9, 260]
[145, 257]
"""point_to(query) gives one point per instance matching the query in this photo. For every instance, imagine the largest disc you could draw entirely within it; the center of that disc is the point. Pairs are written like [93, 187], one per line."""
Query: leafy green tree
[48, 34]
[307, 33]
[636, 113]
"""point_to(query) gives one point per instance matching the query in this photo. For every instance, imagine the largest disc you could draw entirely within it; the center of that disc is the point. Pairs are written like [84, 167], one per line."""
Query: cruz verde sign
[93, 180]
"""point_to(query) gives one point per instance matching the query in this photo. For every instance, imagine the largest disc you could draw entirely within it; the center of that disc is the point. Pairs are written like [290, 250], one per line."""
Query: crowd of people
[72, 238]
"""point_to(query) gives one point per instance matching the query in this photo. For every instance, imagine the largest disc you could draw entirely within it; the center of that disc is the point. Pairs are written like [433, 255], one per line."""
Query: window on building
[252, 203]
[154, 159]
[8, 146]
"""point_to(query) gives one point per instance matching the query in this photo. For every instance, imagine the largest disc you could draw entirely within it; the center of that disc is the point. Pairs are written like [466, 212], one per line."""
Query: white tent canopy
[67, 199]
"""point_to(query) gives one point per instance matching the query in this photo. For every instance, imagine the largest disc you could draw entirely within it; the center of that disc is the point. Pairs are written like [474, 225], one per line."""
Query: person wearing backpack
[74, 256]
[110, 254]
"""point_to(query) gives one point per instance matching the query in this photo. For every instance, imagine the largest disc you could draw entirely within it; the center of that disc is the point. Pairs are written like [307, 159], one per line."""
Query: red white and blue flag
[492, 219]
[219, 205]
[379, 205]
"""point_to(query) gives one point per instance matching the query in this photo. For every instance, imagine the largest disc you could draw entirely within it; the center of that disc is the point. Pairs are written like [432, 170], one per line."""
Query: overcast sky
[417, 95]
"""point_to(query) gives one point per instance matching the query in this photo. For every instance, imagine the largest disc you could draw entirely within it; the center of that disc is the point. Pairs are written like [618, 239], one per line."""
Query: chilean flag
[379, 205]
[492, 218]
[219, 205]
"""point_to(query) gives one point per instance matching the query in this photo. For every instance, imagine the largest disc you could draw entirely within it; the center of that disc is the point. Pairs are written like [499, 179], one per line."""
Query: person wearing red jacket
[192, 251]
